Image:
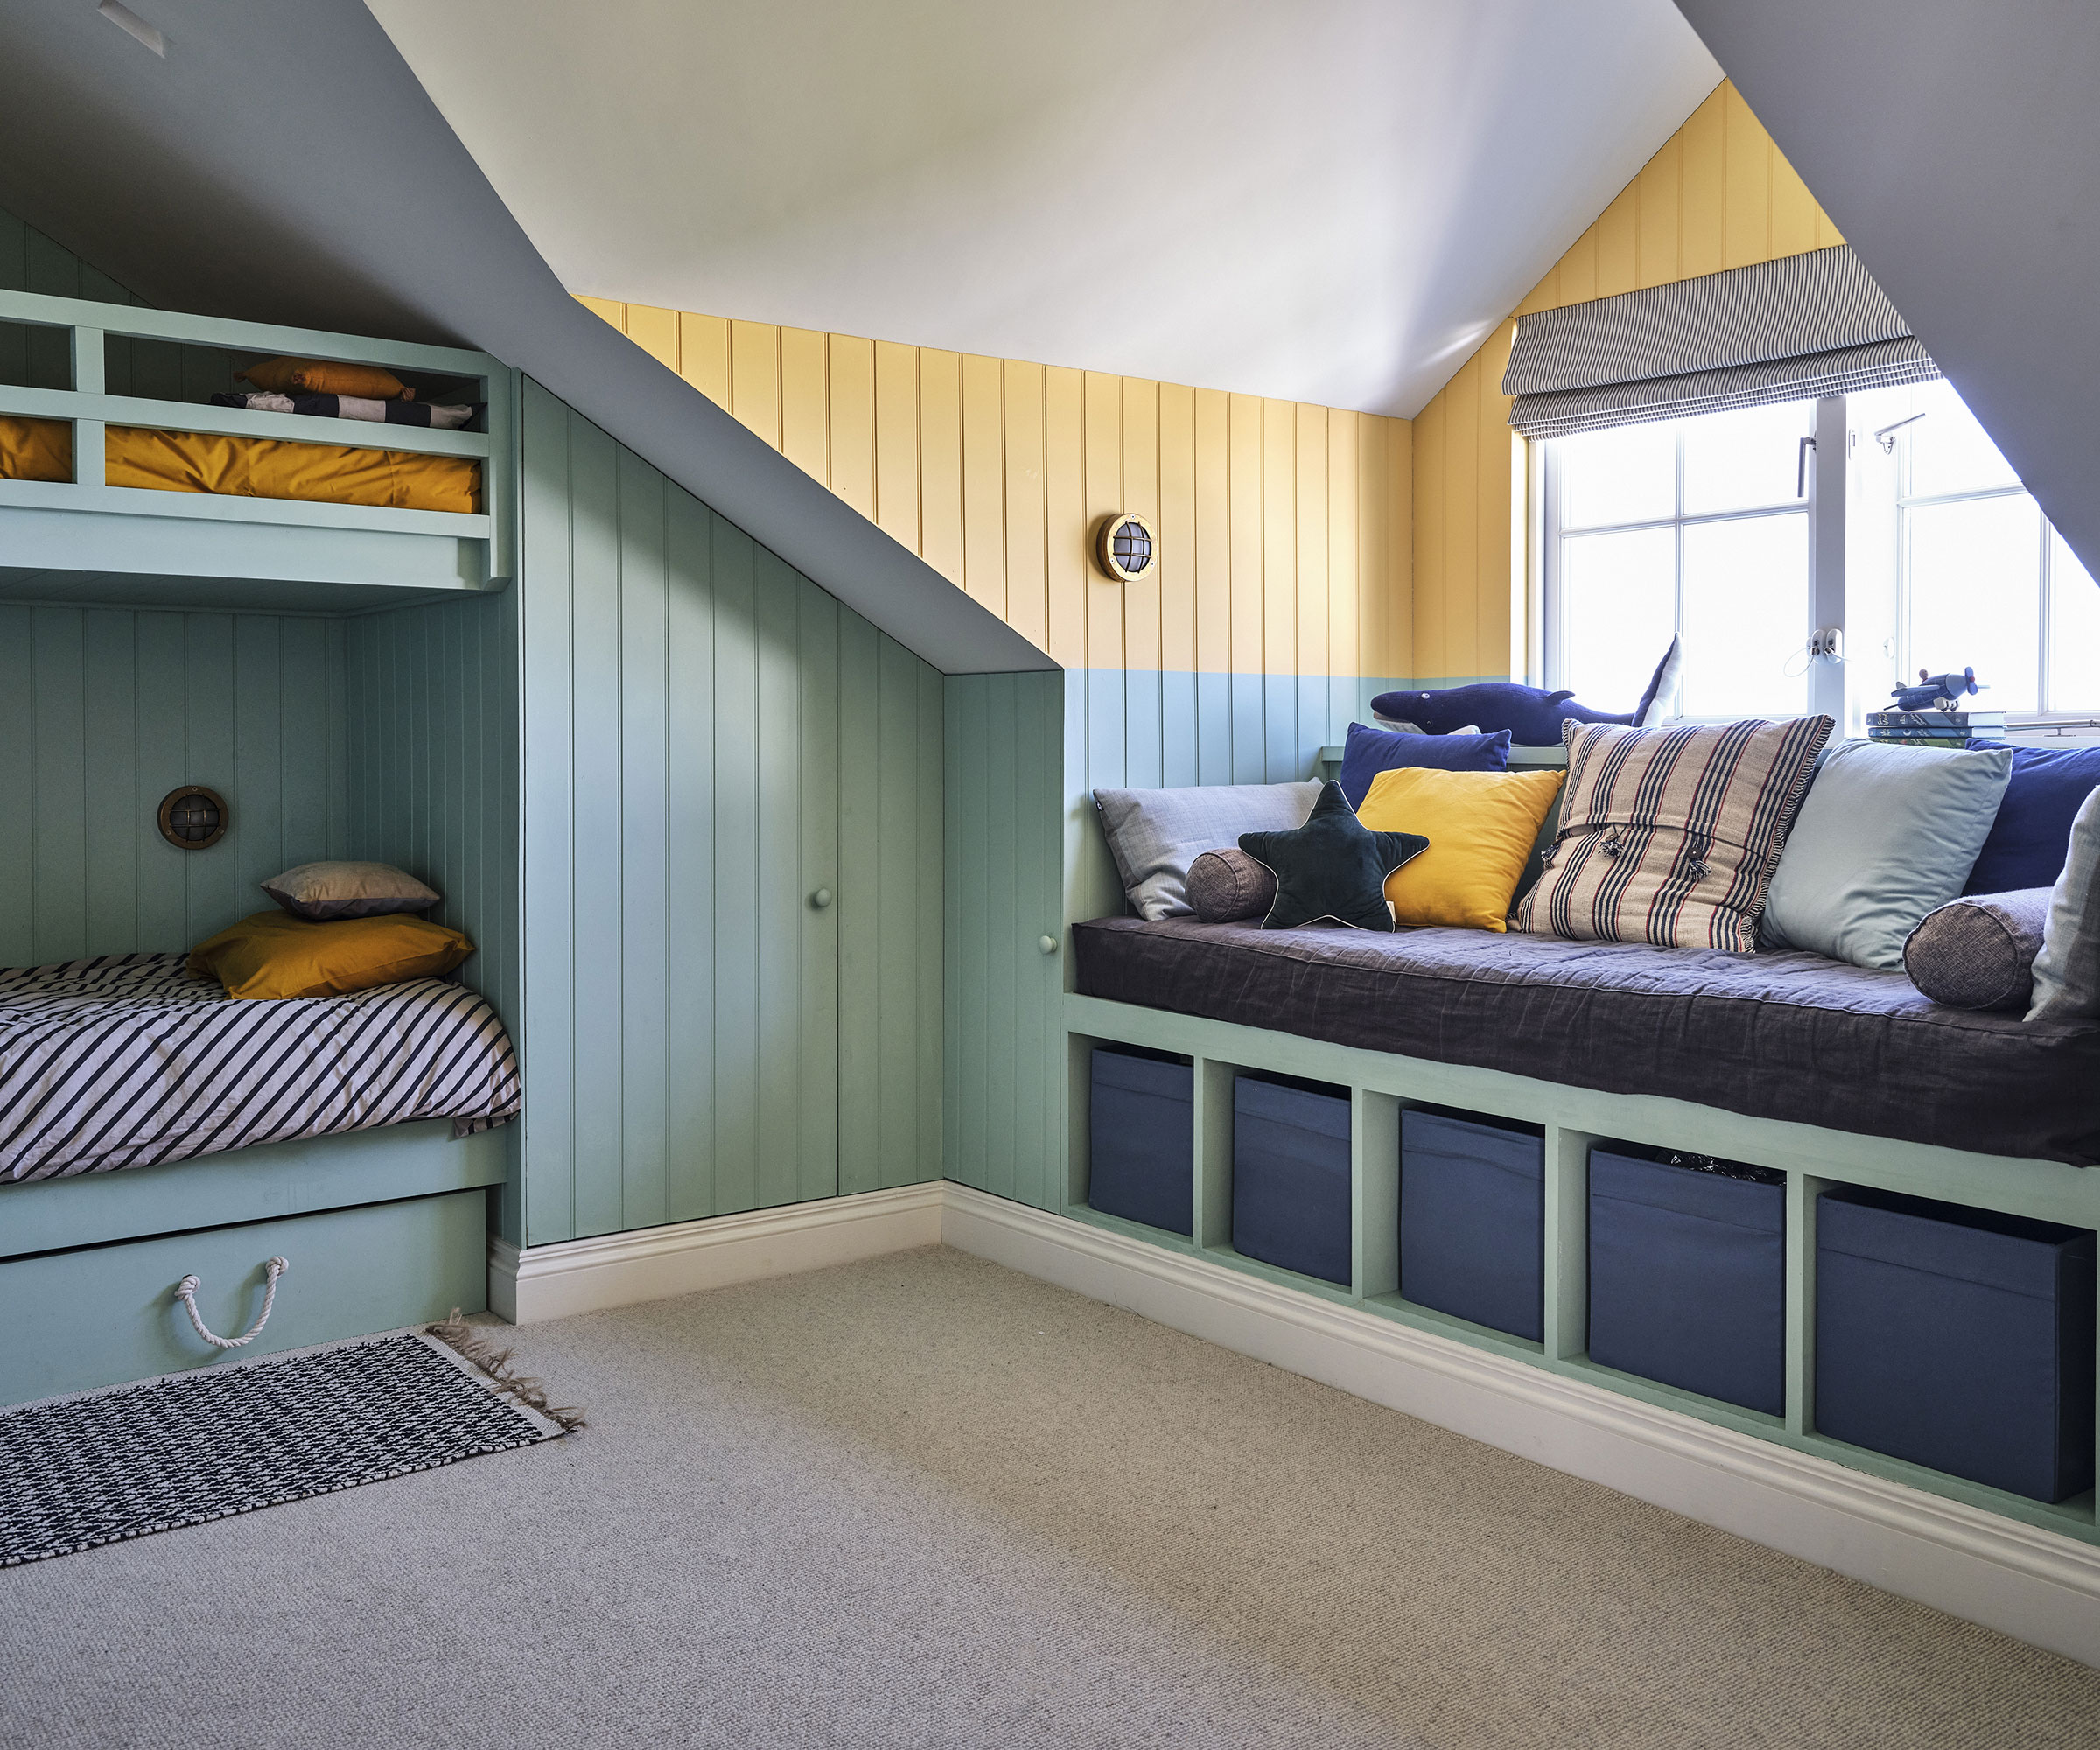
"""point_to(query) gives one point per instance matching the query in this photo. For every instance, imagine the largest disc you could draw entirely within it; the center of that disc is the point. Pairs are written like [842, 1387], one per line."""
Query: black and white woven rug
[78, 1472]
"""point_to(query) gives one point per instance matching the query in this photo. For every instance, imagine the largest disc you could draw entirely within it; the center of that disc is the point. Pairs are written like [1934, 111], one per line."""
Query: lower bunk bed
[153, 1130]
[1774, 1192]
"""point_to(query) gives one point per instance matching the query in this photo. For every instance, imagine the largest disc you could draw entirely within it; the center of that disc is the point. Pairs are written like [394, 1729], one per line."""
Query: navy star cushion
[1333, 869]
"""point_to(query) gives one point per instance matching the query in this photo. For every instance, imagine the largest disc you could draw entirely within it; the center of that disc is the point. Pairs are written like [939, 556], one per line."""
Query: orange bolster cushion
[35, 448]
[273, 955]
[309, 376]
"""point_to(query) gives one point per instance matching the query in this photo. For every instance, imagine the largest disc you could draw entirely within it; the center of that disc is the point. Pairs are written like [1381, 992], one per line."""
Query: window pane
[1628, 474]
[2074, 632]
[1734, 461]
[1618, 596]
[1746, 616]
[1949, 452]
[1975, 594]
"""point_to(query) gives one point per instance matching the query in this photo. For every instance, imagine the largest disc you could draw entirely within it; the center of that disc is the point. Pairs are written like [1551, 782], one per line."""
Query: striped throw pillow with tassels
[1669, 836]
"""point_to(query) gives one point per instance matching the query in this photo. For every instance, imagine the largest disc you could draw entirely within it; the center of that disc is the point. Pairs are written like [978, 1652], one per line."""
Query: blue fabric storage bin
[1472, 1217]
[1958, 1338]
[1141, 1140]
[1688, 1278]
[1291, 1177]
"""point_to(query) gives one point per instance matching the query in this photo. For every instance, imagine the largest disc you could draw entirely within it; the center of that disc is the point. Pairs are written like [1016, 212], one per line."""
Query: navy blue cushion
[2033, 832]
[1369, 752]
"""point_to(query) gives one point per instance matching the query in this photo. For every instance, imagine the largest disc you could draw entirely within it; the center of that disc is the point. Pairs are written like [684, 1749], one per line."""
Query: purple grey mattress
[1777, 1035]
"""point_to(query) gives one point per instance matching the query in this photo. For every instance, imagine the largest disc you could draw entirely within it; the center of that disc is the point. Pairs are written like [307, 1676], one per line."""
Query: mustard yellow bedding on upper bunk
[246, 467]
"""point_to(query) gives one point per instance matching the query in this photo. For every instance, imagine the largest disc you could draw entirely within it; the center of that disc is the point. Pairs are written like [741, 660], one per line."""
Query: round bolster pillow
[1978, 953]
[1227, 885]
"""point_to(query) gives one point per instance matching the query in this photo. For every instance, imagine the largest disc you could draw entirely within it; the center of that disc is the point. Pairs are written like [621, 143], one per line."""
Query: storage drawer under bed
[100, 1315]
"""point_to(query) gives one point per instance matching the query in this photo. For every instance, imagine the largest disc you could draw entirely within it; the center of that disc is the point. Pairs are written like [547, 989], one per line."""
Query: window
[1696, 527]
[1691, 528]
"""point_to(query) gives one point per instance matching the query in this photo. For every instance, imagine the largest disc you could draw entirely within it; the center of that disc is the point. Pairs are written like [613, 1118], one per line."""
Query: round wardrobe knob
[821, 898]
[1049, 944]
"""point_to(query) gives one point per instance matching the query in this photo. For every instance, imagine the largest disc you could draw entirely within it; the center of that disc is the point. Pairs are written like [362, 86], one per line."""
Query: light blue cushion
[1155, 835]
[1886, 834]
[2067, 971]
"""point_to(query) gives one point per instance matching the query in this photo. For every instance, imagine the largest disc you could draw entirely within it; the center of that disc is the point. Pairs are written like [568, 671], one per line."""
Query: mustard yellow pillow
[310, 376]
[1480, 827]
[272, 954]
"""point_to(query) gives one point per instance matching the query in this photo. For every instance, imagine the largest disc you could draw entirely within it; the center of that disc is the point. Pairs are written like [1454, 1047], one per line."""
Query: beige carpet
[924, 1501]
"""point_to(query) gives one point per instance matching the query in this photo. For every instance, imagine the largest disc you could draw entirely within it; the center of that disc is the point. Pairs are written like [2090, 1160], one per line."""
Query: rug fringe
[457, 1335]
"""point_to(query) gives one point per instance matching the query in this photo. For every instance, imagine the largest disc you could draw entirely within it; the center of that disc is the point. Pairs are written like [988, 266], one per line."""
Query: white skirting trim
[655, 1263]
[2027, 1581]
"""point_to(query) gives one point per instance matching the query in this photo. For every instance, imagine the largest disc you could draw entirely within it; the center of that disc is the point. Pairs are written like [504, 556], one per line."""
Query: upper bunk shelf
[84, 539]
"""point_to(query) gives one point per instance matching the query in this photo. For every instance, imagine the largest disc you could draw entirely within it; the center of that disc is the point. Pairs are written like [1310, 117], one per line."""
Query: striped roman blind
[1804, 326]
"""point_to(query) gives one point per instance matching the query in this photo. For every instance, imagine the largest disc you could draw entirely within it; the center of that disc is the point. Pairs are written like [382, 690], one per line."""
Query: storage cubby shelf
[1572, 1119]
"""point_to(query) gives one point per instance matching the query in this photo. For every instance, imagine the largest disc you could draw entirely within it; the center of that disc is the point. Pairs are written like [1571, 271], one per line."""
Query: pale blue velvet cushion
[1886, 834]
[2067, 971]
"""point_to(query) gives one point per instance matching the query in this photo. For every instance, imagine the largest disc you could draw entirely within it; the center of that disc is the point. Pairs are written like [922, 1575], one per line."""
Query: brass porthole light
[1126, 548]
[193, 818]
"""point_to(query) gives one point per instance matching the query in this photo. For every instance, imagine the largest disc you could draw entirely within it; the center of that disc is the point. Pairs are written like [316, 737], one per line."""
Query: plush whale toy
[1532, 716]
[1933, 692]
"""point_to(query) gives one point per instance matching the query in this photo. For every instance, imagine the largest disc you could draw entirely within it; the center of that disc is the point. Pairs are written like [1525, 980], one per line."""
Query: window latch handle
[1801, 467]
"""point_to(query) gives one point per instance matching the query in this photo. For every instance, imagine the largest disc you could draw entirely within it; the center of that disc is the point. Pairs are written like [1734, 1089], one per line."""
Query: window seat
[1789, 1036]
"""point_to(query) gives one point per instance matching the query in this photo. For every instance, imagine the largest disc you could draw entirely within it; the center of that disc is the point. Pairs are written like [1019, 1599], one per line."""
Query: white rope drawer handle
[185, 1292]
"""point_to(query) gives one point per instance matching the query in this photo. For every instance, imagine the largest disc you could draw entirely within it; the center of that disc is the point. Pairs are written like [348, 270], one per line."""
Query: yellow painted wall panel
[1287, 539]
[703, 356]
[606, 310]
[1212, 417]
[1177, 526]
[853, 423]
[941, 462]
[1618, 244]
[985, 482]
[1064, 481]
[805, 401]
[1747, 234]
[1718, 194]
[897, 441]
[1141, 606]
[754, 378]
[1028, 504]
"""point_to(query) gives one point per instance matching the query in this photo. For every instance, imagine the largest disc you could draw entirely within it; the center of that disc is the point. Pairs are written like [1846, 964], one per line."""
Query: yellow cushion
[1480, 827]
[310, 376]
[272, 954]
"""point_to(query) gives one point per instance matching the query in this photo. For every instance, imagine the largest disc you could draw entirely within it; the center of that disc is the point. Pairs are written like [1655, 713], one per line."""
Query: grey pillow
[1155, 835]
[1227, 885]
[319, 891]
[2066, 971]
[1978, 953]
[1885, 834]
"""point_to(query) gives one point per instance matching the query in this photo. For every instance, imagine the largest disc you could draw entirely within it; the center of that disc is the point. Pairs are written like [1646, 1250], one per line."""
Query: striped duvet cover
[129, 1060]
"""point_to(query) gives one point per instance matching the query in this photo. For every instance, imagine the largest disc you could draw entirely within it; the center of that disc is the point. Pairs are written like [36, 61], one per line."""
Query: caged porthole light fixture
[1125, 547]
[193, 818]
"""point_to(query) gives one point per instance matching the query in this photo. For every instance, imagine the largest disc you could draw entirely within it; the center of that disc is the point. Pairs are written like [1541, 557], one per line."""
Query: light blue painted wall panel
[709, 738]
[103, 712]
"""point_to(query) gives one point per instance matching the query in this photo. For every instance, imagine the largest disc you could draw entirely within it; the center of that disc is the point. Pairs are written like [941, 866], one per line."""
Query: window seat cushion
[1788, 1035]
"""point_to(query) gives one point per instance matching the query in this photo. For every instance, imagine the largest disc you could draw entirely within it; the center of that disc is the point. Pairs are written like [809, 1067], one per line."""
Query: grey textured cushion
[1978, 953]
[1227, 885]
[1155, 835]
[1885, 834]
[348, 890]
[2066, 971]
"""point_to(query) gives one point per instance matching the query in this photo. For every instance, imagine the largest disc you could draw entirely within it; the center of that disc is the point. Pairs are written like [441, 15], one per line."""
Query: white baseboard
[655, 1263]
[2029, 1582]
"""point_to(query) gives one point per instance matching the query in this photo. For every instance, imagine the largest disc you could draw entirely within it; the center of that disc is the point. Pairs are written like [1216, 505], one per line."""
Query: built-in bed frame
[382, 1228]
[1381, 1084]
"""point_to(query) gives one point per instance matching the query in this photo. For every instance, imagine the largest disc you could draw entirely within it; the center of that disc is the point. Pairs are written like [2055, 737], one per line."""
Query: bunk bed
[357, 1151]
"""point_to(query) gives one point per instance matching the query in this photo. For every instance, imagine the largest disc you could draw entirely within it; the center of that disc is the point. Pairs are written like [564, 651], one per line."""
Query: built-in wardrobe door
[732, 864]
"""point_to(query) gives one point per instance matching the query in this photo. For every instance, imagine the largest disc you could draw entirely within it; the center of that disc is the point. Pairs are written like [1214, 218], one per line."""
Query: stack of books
[1934, 728]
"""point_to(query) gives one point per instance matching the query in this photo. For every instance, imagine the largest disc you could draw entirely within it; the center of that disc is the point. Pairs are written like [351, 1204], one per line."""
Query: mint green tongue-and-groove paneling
[103, 712]
[710, 738]
[1026, 859]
